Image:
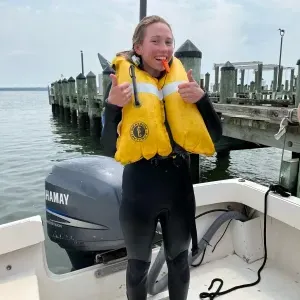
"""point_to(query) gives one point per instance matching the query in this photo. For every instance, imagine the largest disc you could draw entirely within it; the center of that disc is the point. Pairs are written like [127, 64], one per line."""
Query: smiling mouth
[160, 58]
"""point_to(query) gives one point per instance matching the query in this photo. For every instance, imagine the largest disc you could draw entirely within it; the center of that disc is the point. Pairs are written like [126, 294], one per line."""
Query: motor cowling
[82, 198]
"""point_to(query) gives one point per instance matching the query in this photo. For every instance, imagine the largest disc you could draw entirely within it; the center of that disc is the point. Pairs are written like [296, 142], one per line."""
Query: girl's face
[158, 44]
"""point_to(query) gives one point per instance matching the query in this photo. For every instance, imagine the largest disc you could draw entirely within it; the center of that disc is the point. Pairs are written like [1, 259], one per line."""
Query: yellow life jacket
[142, 132]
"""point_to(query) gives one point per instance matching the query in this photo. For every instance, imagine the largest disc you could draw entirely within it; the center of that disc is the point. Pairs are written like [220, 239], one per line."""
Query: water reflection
[68, 133]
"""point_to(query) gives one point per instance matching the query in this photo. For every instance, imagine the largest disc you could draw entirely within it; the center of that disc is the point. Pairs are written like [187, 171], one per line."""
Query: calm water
[32, 141]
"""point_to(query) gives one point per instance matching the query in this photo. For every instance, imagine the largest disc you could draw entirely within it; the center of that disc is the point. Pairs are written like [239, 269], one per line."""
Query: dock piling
[66, 101]
[72, 100]
[207, 78]
[60, 99]
[81, 101]
[94, 110]
[227, 87]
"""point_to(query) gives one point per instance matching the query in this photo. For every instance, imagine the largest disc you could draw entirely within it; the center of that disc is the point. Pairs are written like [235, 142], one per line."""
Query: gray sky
[40, 39]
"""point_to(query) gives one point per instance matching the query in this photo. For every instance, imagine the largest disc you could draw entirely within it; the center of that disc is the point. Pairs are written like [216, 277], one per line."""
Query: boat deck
[275, 284]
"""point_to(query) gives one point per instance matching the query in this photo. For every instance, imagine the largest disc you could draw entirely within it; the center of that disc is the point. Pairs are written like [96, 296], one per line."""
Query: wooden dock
[253, 115]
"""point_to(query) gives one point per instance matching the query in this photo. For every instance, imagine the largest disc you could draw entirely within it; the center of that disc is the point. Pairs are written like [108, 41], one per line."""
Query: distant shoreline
[18, 89]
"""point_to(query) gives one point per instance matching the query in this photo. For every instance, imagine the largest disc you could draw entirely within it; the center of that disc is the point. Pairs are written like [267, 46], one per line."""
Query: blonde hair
[139, 33]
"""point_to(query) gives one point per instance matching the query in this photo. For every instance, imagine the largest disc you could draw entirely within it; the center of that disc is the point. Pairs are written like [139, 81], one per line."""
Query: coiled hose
[155, 287]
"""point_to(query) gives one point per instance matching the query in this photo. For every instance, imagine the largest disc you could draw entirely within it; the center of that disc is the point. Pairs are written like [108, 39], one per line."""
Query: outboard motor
[82, 209]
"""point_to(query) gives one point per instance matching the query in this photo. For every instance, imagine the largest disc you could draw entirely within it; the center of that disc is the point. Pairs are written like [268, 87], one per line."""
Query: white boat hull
[24, 272]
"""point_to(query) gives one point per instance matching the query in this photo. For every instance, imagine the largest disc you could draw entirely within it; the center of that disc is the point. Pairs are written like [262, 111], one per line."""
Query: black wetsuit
[157, 189]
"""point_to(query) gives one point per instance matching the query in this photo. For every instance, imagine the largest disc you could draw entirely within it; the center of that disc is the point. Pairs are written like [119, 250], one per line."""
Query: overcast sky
[40, 39]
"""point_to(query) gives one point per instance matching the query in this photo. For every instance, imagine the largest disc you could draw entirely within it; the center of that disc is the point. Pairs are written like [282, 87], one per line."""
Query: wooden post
[55, 93]
[289, 174]
[275, 80]
[216, 85]
[227, 82]
[60, 99]
[286, 86]
[280, 79]
[242, 80]
[292, 80]
[94, 108]
[66, 101]
[252, 87]
[255, 79]
[73, 100]
[82, 107]
[259, 80]
[51, 97]
[202, 83]
[191, 57]
[56, 97]
[235, 79]
[207, 78]
[297, 101]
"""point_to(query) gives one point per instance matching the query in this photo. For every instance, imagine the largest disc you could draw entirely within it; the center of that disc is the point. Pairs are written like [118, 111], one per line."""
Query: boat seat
[20, 288]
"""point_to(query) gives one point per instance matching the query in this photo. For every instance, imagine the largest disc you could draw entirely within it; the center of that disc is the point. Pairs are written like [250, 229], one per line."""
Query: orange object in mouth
[166, 65]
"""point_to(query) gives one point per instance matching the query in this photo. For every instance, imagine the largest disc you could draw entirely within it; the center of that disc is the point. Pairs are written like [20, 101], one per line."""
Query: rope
[277, 189]
[284, 124]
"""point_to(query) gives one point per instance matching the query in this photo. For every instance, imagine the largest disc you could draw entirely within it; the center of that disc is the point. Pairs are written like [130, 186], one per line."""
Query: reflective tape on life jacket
[149, 89]
[152, 89]
[171, 88]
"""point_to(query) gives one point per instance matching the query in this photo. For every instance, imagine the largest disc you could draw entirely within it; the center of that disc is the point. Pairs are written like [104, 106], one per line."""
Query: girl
[155, 115]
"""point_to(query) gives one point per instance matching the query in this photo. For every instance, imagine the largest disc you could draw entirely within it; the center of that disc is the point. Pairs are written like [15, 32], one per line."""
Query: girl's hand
[120, 94]
[190, 91]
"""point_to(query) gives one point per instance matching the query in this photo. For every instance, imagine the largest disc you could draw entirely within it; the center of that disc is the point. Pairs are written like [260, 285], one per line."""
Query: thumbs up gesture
[190, 91]
[120, 94]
